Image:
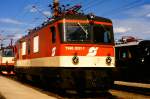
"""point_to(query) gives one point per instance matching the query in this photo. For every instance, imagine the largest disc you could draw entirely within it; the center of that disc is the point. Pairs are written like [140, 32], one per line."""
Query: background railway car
[132, 61]
[70, 51]
[7, 60]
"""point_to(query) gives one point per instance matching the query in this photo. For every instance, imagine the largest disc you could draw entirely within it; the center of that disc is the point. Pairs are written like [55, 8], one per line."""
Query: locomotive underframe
[77, 78]
[6, 68]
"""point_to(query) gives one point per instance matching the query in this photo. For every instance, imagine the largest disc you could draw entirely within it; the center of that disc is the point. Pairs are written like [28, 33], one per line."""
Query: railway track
[121, 94]
[139, 88]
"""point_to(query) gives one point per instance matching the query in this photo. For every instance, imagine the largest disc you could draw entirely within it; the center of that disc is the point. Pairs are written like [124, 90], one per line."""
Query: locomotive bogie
[70, 78]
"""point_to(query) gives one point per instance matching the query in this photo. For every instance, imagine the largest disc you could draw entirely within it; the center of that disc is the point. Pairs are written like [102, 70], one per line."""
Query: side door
[53, 40]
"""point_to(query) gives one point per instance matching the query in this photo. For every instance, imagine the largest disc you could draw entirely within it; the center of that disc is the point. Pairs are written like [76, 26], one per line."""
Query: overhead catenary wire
[93, 4]
[126, 6]
[40, 11]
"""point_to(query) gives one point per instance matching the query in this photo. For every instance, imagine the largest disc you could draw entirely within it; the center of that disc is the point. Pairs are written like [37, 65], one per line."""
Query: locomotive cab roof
[69, 17]
[84, 17]
[78, 17]
[145, 43]
[140, 42]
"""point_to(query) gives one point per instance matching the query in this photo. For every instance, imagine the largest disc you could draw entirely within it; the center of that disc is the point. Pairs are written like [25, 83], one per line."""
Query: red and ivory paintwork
[60, 55]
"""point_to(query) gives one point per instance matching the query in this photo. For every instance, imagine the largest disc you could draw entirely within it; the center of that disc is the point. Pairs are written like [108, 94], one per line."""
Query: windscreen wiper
[83, 30]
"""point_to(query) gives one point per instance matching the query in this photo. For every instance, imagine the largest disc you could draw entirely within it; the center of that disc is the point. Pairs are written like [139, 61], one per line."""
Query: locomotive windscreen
[86, 33]
[7, 53]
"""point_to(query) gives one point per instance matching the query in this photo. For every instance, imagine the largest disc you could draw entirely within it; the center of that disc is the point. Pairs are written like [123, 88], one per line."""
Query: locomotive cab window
[53, 31]
[77, 32]
[86, 33]
[7, 53]
[102, 34]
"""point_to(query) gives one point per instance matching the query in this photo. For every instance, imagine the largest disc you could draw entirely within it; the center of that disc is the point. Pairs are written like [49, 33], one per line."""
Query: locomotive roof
[142, 42]
[78, 17]
[84, 17]
[127, 44]
[6, 47]
[145, 43]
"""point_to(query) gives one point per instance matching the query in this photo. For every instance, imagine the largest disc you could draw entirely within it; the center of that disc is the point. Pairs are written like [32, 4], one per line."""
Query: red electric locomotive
[7, 60]
[69, 51]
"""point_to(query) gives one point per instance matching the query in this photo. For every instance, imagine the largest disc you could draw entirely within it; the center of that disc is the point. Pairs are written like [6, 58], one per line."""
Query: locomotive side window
[147, 51]
[36, 44]
[125, 54]
[24, 48]
[0, 53]
[53, 30]
[28, 46]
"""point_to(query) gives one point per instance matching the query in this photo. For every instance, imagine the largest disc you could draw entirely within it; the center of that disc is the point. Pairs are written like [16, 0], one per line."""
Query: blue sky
[130, 17]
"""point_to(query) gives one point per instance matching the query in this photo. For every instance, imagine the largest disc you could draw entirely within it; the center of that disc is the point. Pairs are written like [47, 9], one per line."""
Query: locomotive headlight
[108, 60]
[142, 60]
[75, 60]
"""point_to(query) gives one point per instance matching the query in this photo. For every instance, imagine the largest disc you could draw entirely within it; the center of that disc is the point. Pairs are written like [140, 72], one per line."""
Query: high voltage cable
[15, 17]
[88, 2]
[126, 6]
[93, 4]
[130, 7]
[138, 4]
